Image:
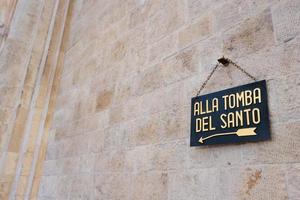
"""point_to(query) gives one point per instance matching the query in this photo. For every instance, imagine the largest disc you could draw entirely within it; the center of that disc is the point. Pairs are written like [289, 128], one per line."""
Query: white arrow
[240, 132]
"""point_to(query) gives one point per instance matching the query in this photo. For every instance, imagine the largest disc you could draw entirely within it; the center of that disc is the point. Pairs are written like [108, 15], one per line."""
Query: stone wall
[121, 123]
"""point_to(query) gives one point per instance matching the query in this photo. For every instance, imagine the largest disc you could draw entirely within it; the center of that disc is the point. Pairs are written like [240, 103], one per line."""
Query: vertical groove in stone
[37, 88]
[52, 63]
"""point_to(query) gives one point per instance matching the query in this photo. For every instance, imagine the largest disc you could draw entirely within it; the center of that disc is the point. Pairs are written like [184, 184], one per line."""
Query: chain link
[215, 68]
[207, 79]
[241, 69]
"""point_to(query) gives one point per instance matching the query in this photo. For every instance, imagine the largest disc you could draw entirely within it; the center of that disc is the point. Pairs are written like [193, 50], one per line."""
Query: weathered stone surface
[252, 182]
[163, 48]
[150, 185]
[286, 20]
[284, 146]
[81, 187]
[169, 18]
[147, 130]
[194, 184]
[293, 180]
[197, 8]
[171, 156]
[103, 100]
[253, 35]
[110, 161]
[143, 11]
[112, 186]
[284, 102]
[195, 32]
[121, 124]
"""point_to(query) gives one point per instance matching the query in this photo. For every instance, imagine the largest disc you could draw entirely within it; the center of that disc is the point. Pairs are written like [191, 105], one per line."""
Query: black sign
[238, 114]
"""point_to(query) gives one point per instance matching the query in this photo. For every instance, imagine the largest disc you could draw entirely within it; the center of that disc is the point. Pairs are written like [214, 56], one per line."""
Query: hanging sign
[235, 115]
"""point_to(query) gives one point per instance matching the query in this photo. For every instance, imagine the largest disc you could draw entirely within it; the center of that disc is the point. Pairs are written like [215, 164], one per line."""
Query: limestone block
[143, 11]
[84, 106]
[79, 145]
[163, 48]
[107, 80]
[150, 79]
[50, 167]
[195, 32]
[137, 37]
[52, 152]
[181, 66]
[170, 156]
[286, 20]
[119, 136]
[79, 54]
[24, 25]
[104, 100]
[229, 14]
[62, 132]
[63, 115]
[112, 186]
[175, 123]
[251, 182]
[66, 99]
[64, 148]
[96, 144]
[12, 57]
[213, 156]
[167, 20]
[84, 73]
[113, 13]
[272, 63]
[283, 98]
[8, 96]
[4, 115]
[249, 37]
[64, 184]
[283, 147]
[176, 68]
[107, 37]
[125, 89]
[147, 130]
[138, 159]
[196, 8]
[192, 184]
[110, 161]
[83, 29]
[86, 163]
[118, 51]
[126, 111]
[98, 121]
[135, 61]
[293, 179]
[166, 98]
[68, 165]
[48, 187]
[82, 187]
[150, 185]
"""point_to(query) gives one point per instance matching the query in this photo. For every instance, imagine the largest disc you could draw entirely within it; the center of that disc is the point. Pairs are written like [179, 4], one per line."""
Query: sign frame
[209, 128]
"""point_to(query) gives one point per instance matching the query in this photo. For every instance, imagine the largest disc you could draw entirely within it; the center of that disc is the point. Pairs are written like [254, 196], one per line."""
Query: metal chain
[207, 79]
[215, 68]
[241, 69]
